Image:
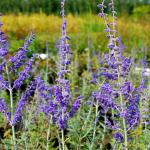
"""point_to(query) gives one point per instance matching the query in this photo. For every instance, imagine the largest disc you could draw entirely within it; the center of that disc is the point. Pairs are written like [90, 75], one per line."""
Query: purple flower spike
[62, 123]
[2, 65]
[44, 91]
[23, 74]
[23, 101]
[21, 56]
[3, 109]
[57, 99]
[94, 78]
[3, 43]
[75, 106]
[3, 83]
[118, 137]
[101, 15]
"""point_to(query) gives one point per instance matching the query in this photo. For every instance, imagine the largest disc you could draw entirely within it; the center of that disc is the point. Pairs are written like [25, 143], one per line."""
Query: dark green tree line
[73, 6]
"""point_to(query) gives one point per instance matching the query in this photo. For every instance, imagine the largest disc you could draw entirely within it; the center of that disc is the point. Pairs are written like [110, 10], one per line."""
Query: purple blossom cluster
[21, 55]
[23, 74]
[58, 97]
[117, 92]
[105, 96]
[3, 83]
[3, 43]
[55, 103]
[4, 109]
[8, 65]
[24, 100]
[62, 92]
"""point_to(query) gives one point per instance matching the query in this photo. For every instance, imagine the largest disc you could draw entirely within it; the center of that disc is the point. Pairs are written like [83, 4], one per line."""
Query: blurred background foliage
[72, 6]
[43, 17]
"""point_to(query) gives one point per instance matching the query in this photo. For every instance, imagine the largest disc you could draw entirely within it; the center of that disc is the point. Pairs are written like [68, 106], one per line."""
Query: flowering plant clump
[48, 115]
[57, 98]
[19, 67]
[117, 92]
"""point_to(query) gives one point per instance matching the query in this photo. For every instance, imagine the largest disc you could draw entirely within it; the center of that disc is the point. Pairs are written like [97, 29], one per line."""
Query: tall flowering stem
[56, 99]
[7, 84]
[62, 82]
[12, 108]
[114, 61]
[11, 65]
[117, 92]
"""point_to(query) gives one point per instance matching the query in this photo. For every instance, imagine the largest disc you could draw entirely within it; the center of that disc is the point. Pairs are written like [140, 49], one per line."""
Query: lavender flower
[62, 89]
[2, 65]
[56, 105]
[3, 43]
[64, 49]
[133, 114]
[101, 15]
[62, 121]
[21, 56]
[24, 101]
[118, 137]
[117, 92]
[46, 103]
[23, 74]
[3, 83]
[50, 109]
[4, 110]
[94, 78]
[127, 89]
[44, 91]
[13, 64]
[75, 106]
[18, 59]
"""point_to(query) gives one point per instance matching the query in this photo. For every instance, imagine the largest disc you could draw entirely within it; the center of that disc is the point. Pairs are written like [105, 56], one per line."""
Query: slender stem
[105, 119]
[104, 129]
[12, 107]
[123, 118]
[94, 132]
[48, 133]
[26, 134]
[62, 140]
[121, 98]
[124, 126]
[59, 140]
[13, 128]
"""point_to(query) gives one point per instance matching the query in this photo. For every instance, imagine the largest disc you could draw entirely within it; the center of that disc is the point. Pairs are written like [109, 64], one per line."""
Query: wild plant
[56, 99]
[14, 71]
[116, 92]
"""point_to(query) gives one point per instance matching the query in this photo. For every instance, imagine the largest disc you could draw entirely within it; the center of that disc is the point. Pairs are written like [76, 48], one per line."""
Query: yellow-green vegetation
[47, 28]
